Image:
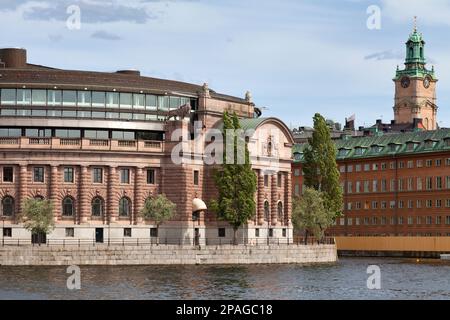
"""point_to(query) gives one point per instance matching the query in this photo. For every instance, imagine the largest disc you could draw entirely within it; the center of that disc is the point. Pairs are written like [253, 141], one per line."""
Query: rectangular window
[196, 178]
[428, 163]
[68, 174]
[374, 205]
[410, 164]
[429, 203]
[419, 204]
[410, 204]
[296, 172]
[127, 232]
[438, 162]
[7, 232]
[70, 232]
[374, 185]
[410, 220]
[392, 165]
[97, 175]
[279, 181]
[138, 101]
[428, 183]
[38, 174]
[401, 204]
[150, 176]
[283, 232]
[438, 203]
[401, 165]
[221, 232]
[383, 166]
[349, 206]
[349, 221]
[375, 166]
[419, 220]
[383, 204]
[23, 97]
[358, 187]
[358, 205]
[438, 219]
[392, 204]
[8, 174]
[392, 187]
[349, 187]
[429, 220]
[297, 189]
[350, 168]
[84, 98]
[69, 98]
[112, 99]
[447, 182]
[342, 169]
[266, 180]
[383, 220]
[153, 232]
[419, 183]
[150, 102]
[410, 184]
[270, 232]
[358, 168]
[438, 183]
[400, 184]
[367, 167]
[383, 185]
[8, 96]
[357, 221]
[256, 232]
[125, 100]
[125, 176]
[39, 97]
[400, 220]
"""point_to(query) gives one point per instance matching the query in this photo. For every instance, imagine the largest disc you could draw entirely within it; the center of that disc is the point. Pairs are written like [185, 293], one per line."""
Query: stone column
[260, 204]
[287, 205]
[112, 187]
[274, 199]
[139, 182]
[23, 187]
[54, 192]
[83, 196]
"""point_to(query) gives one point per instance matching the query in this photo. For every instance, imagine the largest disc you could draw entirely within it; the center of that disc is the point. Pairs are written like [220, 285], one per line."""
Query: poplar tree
[320, 168]
[236, 182]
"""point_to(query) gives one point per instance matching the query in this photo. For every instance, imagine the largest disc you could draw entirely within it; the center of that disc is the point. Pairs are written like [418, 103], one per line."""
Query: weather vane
[415, 23]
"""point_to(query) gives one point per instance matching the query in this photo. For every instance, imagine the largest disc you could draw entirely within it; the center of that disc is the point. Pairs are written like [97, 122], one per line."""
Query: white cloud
[430, 12]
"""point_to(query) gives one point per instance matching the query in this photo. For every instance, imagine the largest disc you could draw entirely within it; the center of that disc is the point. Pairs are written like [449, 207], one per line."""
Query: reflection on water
[400, 279]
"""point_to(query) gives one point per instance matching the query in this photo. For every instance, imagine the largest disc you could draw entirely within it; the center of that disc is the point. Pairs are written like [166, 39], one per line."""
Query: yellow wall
[393, 243]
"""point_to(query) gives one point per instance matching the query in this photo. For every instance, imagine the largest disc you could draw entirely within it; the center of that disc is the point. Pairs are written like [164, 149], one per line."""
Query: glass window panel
[69, 98]
[102, 134]
[84, 114]
[125, 115]
[96, 134]
[31, 132]
[39, 113]
[125, 100]
[8, 112]
[150, 102]
[139, 116]
[53, 113]
[23, 96]
[174, 102]
[8, 96]
[163, 103]
[61, 133]
[112, 115]
[138, 101]
[98, 114]
[128, 135]
[69, 114]
[3, 132]
[74, 133]
[151, 117]
[39, 97]
[24, 113]
[112, 99]
[15, 132]
[54, 97]
[117, 135]
[98, 99]
[84, 98]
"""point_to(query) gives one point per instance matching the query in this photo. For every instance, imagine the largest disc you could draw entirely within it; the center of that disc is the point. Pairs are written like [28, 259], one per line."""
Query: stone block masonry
[165, 255]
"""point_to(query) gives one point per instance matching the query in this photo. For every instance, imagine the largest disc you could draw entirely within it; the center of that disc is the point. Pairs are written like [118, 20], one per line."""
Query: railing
[9, 140]
[69, 142]
[98, 142]
[152, 144]
[126, 143]
[153, 241]
[45, 141]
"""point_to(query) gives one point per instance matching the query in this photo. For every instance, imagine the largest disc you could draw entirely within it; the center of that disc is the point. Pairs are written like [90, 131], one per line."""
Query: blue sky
[296, 57]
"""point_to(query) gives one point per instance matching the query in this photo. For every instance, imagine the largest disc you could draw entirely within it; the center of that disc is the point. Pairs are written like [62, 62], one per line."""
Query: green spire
[415, 57]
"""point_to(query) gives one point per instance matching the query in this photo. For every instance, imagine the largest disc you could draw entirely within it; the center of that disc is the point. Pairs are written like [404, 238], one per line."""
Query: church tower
[415, 87]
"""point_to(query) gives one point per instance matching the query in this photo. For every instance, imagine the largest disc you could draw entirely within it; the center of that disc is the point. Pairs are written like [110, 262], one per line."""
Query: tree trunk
[306, 236]
[235, 236]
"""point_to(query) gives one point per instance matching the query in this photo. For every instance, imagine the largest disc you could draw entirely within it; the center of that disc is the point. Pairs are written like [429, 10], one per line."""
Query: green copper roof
[415, 37]
[387, 145]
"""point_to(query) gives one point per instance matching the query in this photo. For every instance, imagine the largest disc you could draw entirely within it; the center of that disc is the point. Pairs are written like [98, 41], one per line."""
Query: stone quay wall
[166, 255]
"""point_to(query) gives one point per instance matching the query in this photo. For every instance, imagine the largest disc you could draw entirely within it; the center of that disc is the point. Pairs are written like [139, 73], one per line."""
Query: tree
[236, 182]
[159, 209]
[320, 168]
[310, 215]
[38, 216]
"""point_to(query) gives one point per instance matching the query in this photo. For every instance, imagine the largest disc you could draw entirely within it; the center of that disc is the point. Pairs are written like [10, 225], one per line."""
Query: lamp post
[3, 231]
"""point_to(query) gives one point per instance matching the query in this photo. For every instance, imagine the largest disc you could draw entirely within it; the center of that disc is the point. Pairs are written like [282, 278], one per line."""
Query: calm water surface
[400, 279]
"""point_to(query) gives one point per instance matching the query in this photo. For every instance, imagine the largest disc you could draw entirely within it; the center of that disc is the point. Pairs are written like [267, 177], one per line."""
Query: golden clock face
[405, 82]
[426, 82]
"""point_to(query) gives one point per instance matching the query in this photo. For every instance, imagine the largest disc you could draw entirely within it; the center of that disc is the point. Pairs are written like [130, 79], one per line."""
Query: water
[400, 279]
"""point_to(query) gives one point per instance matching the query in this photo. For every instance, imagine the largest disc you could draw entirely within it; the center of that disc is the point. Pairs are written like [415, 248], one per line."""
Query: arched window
[266, 210]
[411, 52]
[421, 52]
[124, 207]
[280, 211]
[97, 207]
[68, 209]
[39, 197]
[8, 206]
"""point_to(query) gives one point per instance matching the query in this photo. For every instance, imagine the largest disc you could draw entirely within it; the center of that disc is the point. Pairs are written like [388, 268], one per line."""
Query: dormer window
[376, 148]
[411, 145]
[447, 141]
[393, 147]
[429, 143]
[298, 156]
[359, 151]
[342, 152]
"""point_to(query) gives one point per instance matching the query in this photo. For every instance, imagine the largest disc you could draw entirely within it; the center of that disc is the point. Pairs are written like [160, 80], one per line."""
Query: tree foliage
[236, 182]
[38, 216]
[320, 168]
[309, 213]
[159, 209]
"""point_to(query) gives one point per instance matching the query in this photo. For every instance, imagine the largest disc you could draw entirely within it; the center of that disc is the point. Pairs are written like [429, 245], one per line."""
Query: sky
[296, 57]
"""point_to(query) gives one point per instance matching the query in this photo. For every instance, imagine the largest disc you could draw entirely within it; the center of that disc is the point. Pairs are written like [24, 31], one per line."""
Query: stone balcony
[81, 144]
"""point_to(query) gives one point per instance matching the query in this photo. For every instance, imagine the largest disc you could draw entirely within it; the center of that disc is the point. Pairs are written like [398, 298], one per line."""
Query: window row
[428, 220]
[279, 178]
[403, 184]
[38, 175]
[401, 204]
[94, 99]
[409, 164]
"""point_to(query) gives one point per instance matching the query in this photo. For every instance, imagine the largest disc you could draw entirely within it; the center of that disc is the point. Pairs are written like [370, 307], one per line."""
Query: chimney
[14, 58]
[392, 121]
